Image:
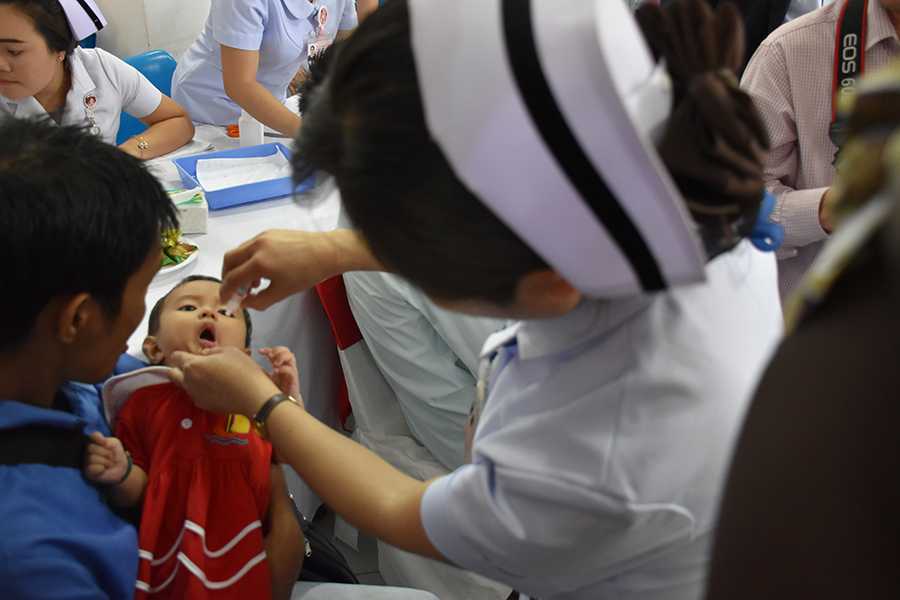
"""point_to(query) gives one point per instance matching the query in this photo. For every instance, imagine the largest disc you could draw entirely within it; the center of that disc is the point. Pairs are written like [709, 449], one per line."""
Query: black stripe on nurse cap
[91, 14]
[84, 17]
[537, 118]
[558, 137]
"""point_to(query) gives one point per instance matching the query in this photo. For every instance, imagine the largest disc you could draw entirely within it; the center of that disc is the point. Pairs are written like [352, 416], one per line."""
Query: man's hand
[826, 210]
[105, 460]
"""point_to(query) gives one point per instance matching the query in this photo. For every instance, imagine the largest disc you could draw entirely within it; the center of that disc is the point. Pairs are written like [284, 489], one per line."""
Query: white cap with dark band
[84, 16]
[539, 105]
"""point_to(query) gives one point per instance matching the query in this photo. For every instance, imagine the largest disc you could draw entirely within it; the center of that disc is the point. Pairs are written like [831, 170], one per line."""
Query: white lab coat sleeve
[139, 97]
[239, 23]
[538, 533]
[349, 19]
[427, 356]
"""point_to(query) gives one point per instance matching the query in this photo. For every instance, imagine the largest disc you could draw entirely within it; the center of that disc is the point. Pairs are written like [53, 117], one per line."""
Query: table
[297, 322]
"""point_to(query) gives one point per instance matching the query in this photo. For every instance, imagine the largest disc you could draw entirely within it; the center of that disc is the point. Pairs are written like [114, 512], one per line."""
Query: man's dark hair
[77, 215]
[153, 321]
[50, 21]
[365, 124]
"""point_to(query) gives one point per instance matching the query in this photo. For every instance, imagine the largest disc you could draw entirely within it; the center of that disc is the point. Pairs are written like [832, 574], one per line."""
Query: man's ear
[75, 316]
[152, 350]
[545, 293]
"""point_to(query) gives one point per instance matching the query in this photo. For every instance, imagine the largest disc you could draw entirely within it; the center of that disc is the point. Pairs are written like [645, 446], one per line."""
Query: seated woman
[44, 72]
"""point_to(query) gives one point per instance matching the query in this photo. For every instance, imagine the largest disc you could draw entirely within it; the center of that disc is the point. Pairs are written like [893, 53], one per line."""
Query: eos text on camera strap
[849, 60]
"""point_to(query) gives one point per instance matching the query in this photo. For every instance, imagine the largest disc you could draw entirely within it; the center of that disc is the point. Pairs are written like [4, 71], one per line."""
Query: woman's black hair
[365, 124]
[78, 215]
[50, 21]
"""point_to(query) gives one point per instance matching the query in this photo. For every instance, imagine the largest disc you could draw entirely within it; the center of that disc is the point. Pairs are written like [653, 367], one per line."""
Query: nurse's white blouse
[603, 445]
[280, 30]
[103, 87]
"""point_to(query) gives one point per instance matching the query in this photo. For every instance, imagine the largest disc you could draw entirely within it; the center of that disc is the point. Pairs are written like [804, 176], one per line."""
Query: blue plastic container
[242, 194]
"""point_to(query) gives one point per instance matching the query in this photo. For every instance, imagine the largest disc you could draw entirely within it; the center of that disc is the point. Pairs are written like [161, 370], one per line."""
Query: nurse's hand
[223, 380]
[293, 261]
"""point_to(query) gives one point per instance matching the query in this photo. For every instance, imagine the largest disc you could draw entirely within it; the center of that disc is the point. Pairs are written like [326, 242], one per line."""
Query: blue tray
[242, 194]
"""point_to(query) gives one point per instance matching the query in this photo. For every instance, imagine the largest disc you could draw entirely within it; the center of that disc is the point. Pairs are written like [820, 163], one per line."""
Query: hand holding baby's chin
[222, 380]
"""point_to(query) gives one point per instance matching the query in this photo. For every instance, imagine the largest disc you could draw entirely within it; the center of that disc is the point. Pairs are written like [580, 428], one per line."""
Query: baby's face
[194, 319]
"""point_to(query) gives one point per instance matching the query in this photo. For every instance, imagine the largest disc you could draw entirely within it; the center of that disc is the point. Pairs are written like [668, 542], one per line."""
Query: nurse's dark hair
[364, 123]
[155, 314]
[49, 20]
[78, 216]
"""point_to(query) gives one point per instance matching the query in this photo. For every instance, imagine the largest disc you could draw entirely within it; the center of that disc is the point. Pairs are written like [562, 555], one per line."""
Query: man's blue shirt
[58, 537]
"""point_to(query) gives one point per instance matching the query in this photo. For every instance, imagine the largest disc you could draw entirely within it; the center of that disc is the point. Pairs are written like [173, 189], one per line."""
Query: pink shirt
[790, 79]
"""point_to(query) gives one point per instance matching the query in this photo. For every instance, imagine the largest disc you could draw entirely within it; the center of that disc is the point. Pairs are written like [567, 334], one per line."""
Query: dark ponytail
[364, 123]
[715, 142]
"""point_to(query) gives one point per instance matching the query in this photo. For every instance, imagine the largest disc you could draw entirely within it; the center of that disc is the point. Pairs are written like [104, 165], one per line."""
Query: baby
[216, 516]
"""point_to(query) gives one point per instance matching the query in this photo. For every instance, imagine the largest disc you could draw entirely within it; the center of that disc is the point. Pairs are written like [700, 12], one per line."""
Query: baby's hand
[105, 460]
[284, 370]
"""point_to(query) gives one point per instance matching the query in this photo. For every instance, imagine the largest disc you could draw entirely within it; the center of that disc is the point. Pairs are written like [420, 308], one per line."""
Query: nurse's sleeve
[349, 18]
[239, 23]
[139, 97]
[535, 532]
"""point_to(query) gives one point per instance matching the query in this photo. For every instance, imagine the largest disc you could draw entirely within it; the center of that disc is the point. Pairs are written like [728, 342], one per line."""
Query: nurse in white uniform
[44, 73]
[605, 419]
[247, 54]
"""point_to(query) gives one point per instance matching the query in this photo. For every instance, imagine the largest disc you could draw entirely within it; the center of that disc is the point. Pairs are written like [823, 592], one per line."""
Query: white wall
[136, 26]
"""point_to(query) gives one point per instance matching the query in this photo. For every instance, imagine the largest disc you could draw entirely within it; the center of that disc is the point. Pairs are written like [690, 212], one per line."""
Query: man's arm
[798, 211]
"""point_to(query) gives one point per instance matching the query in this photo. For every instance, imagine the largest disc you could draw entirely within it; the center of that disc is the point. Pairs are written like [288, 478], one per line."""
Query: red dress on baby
[201, 532]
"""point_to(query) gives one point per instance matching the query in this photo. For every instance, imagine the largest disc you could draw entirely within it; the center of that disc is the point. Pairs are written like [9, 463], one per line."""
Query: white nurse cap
[539, 105]
[85, 18]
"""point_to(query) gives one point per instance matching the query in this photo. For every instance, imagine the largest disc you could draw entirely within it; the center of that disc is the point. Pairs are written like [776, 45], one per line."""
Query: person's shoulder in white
[97, 60]
[649, 394]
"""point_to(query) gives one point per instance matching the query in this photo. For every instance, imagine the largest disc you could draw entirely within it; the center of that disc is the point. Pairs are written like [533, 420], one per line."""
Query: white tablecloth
[297, 322]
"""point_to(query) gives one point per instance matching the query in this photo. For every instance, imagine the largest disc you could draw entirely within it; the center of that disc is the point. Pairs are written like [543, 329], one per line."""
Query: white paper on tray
[221, 173]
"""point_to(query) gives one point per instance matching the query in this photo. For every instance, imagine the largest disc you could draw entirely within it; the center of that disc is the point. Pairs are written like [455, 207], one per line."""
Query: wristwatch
[259, 419]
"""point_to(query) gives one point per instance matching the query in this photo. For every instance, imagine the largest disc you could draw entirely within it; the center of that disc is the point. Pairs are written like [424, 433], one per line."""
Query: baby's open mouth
[208, 337]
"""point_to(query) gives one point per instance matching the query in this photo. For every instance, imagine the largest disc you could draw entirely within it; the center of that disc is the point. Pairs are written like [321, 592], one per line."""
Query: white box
[192, 210]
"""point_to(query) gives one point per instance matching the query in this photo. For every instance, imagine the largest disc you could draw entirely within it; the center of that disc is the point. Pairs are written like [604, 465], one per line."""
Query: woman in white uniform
[248, 53]
[43, 72]
[604, 420]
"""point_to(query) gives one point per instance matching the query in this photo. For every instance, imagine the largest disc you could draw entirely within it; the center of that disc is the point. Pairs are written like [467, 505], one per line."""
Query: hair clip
[767, 235]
